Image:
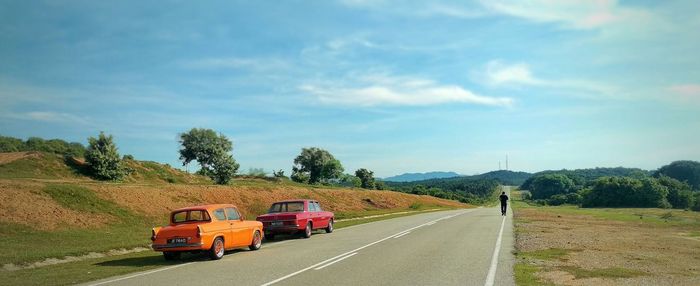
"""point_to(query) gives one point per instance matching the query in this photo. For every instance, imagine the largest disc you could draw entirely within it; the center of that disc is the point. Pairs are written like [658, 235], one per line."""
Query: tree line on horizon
[676, 185]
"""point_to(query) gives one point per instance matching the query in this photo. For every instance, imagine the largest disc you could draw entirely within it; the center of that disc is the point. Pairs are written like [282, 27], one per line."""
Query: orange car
[212, 228]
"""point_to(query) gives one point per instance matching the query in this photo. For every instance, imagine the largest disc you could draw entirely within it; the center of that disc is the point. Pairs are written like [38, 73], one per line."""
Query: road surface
[438, 248]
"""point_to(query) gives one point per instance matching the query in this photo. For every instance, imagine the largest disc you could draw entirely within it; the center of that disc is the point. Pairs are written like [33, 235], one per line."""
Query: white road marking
[346, 253]
[491, 277]
[141, 274]
[431, 223]
[400, 235]
[337, 260]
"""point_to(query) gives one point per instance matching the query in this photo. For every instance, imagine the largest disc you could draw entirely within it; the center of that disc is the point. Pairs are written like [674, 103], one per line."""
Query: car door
[322, 216]
[239, 234]
[219, 219]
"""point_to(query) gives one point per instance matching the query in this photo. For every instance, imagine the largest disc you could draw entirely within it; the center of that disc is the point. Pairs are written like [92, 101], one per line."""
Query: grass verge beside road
[567, 245]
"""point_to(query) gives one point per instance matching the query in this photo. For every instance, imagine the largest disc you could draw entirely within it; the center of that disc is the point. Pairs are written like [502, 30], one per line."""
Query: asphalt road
[439, 248]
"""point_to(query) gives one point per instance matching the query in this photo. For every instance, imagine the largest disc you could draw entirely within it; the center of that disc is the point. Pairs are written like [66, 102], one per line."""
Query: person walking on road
[504, 203]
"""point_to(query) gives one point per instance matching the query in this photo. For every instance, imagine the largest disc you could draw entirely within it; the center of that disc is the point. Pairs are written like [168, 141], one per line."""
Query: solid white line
[431, 223]
[346, 253]
[140, 274]
[338, 260]
[400, 235]
[491, 277]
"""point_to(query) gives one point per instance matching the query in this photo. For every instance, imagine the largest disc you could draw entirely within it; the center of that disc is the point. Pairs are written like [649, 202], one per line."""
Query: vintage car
[211, 228]
[296, 216]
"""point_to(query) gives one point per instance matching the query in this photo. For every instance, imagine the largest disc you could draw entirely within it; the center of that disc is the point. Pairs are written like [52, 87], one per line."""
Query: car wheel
[307, 230]
[171, 255]
[257, 241]
[217, 249]
[329, 228]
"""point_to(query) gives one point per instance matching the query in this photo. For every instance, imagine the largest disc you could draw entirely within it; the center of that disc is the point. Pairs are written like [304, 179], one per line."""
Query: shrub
[547, 185]
[103, 159]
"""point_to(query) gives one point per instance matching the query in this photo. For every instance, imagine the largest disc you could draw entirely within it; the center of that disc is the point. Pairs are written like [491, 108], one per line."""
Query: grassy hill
[51, 209]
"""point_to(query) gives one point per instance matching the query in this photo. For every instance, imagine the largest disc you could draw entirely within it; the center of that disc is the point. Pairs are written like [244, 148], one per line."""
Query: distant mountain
[505, 177]
[410, 177]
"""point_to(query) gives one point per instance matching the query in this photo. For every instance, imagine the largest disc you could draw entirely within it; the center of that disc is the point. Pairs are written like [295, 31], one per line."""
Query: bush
[103, 159]
[547, 185]
[625, 192]
[680, 195]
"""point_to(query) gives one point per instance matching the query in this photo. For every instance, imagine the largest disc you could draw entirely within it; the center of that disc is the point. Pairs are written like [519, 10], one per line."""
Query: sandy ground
[666, 255]
[14, 156]
[22, 202]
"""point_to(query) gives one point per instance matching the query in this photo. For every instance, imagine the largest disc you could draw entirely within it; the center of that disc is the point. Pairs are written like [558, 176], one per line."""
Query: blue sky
[391, 86]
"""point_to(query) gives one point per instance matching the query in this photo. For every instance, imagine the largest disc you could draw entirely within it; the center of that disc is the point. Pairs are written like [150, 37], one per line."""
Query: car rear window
[190, 216]
[286, 207]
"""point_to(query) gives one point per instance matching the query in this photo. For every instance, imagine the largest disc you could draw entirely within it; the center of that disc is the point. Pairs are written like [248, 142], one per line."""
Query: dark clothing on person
[504, 203]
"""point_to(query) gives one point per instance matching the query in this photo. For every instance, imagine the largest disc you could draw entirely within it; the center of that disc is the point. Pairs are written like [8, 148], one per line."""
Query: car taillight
[153, 234]
[199, 231]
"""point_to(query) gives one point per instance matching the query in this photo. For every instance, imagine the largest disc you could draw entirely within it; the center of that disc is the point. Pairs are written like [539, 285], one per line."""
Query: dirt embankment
[23, 201]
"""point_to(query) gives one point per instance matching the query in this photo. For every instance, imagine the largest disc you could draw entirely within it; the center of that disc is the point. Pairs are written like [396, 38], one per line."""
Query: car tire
[307, 230]
[169, 255]
[329, 228]
[216, 251]
[257, 241]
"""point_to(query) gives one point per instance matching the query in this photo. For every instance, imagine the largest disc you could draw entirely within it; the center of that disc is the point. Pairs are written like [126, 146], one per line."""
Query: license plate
[276, 223]
[177, 240]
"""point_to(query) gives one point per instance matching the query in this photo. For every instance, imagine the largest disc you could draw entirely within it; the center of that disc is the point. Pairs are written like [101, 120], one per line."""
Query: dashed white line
[336, 261]
[346, 253]
[491, 277]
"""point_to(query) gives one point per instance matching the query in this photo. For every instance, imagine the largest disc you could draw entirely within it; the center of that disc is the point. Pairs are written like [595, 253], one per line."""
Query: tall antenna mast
[506, 162]
[499, 165]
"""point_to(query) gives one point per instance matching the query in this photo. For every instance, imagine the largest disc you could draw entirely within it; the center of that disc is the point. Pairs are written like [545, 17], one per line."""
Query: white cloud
[499, 73]
[49, 116]
[398, 91]
[578, 14]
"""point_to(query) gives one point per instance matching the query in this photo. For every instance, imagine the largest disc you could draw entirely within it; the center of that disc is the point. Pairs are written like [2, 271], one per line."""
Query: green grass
[525, 275]
[546, 254]
[42, 166]
[87, 270]
[127, 230]
[615, 272]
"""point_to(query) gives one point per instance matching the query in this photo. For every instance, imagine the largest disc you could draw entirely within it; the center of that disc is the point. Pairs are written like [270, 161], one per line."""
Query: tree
[278, 174]
[547, 185]
[684, 171]
[366, 177]
[315, 165]
[626, 192]
[680, 196]
[211, 151]
[103, 159]
[10, 144]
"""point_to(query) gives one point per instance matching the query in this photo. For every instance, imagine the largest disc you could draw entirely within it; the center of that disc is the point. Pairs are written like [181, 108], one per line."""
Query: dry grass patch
[571, 246]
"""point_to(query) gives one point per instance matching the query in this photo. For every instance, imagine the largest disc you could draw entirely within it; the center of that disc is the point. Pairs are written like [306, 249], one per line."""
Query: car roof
[205, 207]
[294, 201]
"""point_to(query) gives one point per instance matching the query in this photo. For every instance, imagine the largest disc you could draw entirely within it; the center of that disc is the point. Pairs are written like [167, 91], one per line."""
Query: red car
[295, 216]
